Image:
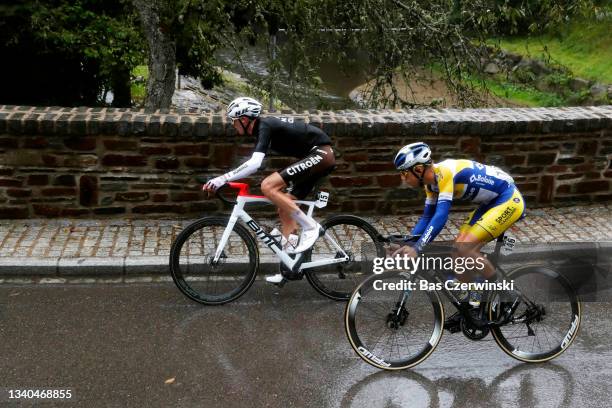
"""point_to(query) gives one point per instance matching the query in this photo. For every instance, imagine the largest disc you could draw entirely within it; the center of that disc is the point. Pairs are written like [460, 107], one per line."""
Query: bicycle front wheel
[391, 326]
[194, 270]
[546, 320]
[344, 234]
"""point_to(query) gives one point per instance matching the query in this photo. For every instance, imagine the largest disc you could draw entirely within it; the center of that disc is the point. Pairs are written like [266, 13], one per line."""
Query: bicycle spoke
[395, 337]
[204, 281]
[549, 330]
[338, 280]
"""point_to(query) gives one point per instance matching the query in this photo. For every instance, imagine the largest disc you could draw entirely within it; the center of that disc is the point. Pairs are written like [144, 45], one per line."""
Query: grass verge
[138, 86]
[583, 46]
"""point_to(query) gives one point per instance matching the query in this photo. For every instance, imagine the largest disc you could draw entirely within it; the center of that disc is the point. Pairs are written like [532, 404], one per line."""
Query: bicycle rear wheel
[547, 319]
[359, 240]
[392, 327]
[195, 273]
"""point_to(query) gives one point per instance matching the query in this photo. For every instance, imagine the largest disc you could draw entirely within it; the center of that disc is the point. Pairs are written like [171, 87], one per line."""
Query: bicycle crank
[471, 331]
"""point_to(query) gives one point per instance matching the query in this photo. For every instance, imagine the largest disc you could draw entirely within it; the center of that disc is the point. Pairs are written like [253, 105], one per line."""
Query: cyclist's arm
[246, 169]
[444, 178]
[428, 212]
[435, 225]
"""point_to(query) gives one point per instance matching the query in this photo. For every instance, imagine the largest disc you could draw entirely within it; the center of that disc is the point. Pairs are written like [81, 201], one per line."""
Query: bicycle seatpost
[498, 245]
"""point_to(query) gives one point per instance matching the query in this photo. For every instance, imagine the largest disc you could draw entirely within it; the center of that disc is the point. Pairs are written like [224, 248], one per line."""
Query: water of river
[337, 80]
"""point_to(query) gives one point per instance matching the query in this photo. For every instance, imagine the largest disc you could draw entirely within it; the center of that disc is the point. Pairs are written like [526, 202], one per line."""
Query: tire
[559, 325]
[191, 255]
[388, 344]
[358, 239]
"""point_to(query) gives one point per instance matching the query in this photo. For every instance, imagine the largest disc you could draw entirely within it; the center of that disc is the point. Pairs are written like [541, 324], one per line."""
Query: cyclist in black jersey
[305, 142]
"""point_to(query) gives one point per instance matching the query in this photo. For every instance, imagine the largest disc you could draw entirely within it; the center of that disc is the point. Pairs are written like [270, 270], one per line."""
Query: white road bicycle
[215, 259]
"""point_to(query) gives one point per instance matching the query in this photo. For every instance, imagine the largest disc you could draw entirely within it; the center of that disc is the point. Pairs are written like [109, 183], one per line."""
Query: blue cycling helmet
[411, 155]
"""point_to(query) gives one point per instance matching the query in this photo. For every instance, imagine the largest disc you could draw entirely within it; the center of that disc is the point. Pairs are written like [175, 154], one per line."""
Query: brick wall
[88, 162]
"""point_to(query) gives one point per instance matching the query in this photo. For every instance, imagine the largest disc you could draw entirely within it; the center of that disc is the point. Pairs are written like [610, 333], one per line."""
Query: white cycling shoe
[276, 279]
[291, 242]
[307, 240]
[286, 244]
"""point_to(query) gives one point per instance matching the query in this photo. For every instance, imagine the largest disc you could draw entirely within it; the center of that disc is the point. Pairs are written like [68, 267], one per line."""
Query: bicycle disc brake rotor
[222, 259]
[341, 266]
[395, 319]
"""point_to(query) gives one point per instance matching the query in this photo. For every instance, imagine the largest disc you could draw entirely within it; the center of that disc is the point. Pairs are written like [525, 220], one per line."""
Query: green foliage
[584, 47]
[90, 46]
[140, 74]
[380, 36]
[533, 16]
[199, 31]
[558, 80]
[524, 75]
[386, 37]
[87, 47]
[521, 94]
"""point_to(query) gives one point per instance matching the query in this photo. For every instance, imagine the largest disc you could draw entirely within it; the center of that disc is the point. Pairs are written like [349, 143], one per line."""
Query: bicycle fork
[398, 316]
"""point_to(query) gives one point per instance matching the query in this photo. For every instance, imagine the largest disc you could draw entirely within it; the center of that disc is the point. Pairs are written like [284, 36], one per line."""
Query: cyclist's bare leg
[272, 187]
[469, 246]
[288, 224]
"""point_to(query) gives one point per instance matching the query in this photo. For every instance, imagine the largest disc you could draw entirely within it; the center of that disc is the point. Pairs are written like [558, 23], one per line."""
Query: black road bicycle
[215, 259]
[397, 329]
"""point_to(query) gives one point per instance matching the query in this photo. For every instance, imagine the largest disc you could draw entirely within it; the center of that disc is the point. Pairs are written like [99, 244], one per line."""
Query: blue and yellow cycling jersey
[467, 180]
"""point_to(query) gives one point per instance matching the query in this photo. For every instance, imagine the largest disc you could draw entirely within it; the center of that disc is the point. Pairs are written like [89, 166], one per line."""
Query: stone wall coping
[80, 121]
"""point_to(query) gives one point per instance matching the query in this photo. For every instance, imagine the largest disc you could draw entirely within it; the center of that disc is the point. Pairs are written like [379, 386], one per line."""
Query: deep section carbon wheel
[390, 326]
[546, 318]
[197, 275]
[359, 240]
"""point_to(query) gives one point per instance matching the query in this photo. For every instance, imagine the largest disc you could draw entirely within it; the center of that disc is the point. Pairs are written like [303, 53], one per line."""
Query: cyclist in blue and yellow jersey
[500, 202]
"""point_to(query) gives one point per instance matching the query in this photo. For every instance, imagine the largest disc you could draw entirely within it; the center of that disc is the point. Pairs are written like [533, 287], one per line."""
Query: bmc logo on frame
[261, 234]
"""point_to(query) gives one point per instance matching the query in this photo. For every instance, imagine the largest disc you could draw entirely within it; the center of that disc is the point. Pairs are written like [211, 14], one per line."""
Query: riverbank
[428, 88]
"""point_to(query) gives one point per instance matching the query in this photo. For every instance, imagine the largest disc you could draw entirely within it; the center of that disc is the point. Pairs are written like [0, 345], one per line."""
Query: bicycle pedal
[452, 328]
[292, 276]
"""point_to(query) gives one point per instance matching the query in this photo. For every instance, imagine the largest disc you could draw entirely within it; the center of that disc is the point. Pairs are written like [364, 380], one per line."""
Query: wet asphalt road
[116, 345]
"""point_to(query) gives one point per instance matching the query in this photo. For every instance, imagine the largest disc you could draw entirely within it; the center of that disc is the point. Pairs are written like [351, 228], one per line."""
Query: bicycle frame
[462, 307]
[239, 213]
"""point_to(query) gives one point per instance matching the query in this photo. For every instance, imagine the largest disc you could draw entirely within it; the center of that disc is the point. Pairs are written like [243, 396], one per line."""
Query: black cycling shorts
[302, 176]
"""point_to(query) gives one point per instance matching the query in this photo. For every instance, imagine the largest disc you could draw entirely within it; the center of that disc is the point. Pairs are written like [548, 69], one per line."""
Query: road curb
[92, 267]
[158, 265]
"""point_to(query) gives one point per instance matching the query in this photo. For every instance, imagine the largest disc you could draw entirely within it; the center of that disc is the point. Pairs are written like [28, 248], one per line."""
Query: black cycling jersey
[286, 137]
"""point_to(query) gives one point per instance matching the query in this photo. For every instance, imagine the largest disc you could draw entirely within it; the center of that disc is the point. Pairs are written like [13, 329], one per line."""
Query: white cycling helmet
[243, 106]
[412, 154]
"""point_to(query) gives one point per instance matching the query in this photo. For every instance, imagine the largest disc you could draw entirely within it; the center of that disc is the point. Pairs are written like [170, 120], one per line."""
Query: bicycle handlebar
[399, 238]
[224, 200]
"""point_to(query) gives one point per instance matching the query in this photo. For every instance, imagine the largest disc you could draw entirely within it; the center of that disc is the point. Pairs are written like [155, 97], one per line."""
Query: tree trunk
[162, 53]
